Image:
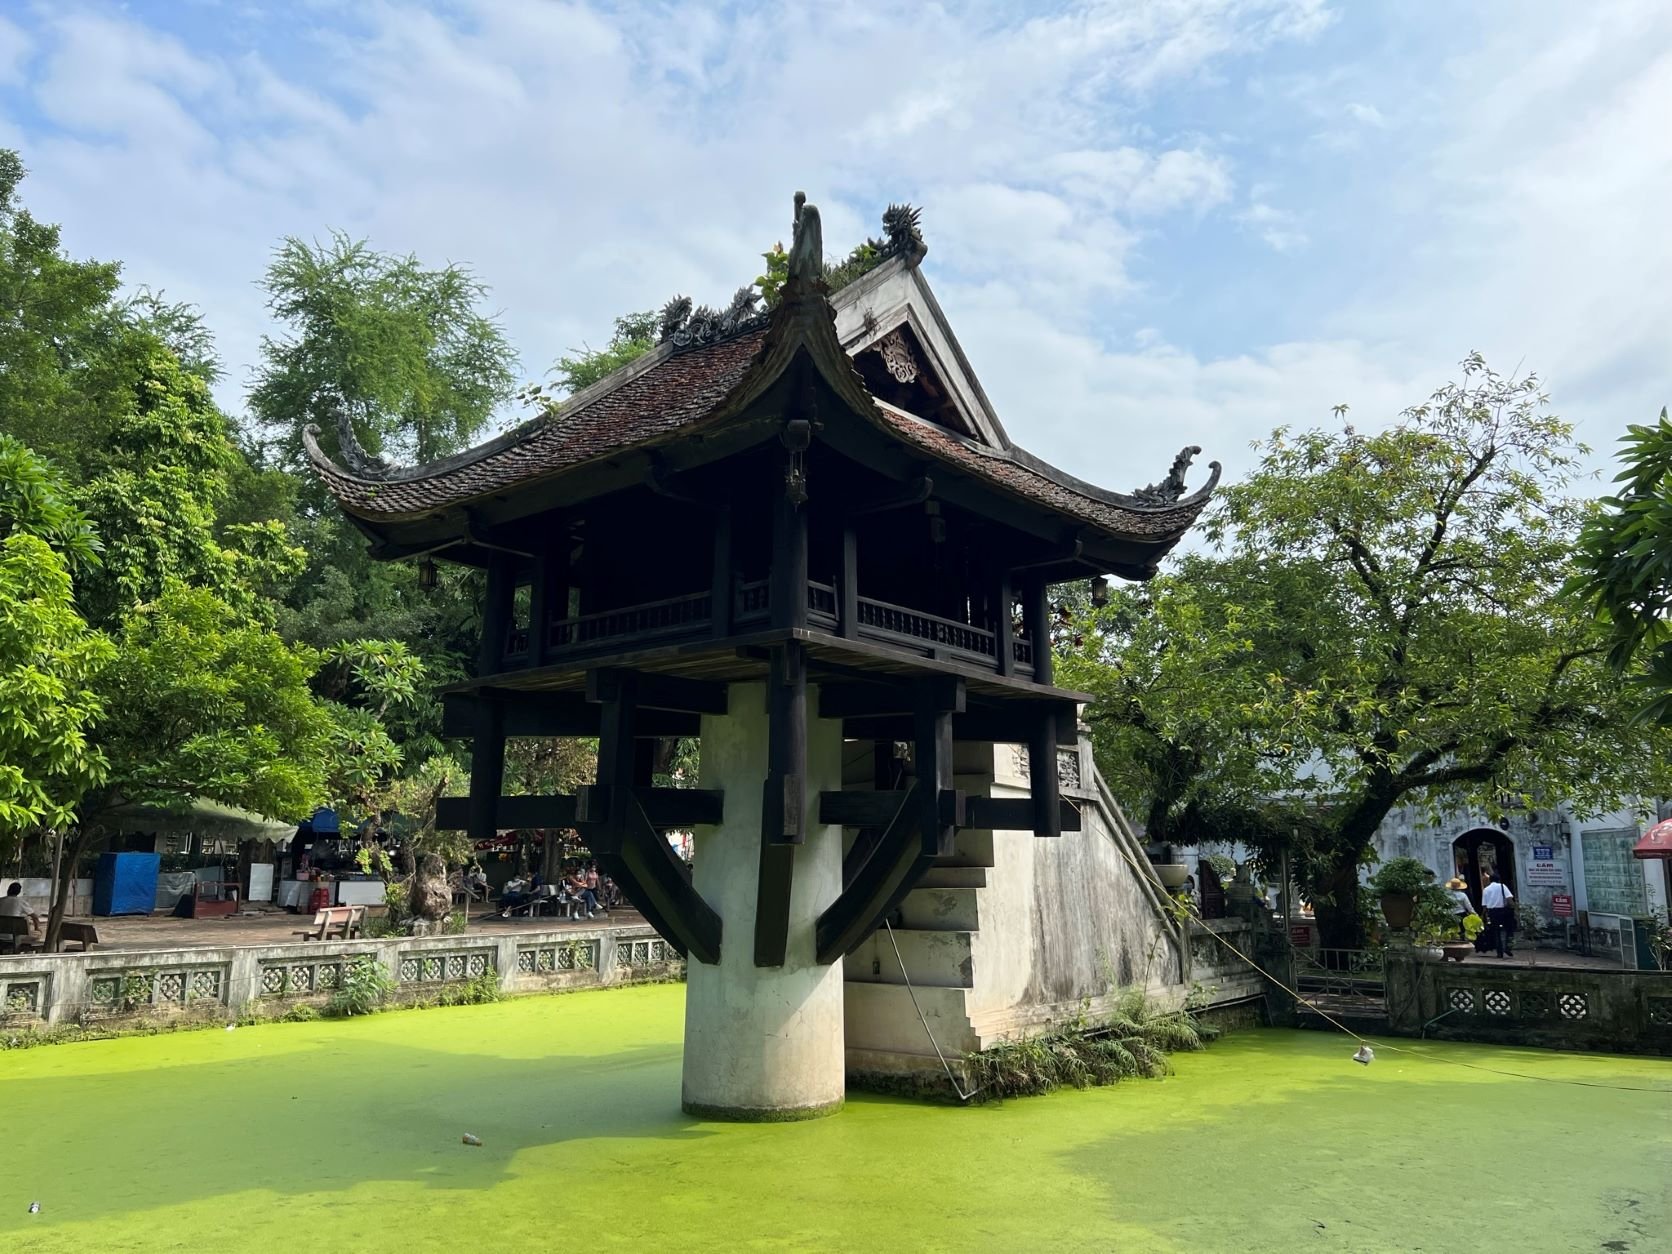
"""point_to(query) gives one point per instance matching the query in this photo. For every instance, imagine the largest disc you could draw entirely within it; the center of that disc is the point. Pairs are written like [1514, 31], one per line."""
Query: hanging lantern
[1100, 591]
[426, 575]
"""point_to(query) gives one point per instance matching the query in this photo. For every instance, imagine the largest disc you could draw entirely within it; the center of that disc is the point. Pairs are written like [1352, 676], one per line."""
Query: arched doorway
[1484, 849]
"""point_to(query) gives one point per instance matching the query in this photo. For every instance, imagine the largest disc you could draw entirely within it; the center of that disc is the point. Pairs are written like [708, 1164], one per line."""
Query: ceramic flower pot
[1398, 909]
[1458, 950]
[1172, 874]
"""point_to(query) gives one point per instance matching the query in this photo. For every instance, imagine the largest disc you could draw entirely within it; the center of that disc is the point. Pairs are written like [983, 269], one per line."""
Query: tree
[199, 703]
[50, 660]
[633, 337]
[1386, 625]
[398, 352]
[1626, 565]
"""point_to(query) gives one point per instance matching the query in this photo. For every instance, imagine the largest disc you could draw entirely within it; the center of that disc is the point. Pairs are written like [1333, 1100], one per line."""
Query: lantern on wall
[426, 575]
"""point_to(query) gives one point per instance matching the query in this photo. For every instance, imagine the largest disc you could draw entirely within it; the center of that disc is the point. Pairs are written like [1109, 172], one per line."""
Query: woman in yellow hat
[1460, 903]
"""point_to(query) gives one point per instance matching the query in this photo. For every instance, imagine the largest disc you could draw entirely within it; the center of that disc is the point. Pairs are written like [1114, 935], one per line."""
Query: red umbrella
[1656, 842]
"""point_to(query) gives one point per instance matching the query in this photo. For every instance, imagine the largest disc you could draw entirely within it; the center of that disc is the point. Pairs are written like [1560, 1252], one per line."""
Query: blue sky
[1151, 223]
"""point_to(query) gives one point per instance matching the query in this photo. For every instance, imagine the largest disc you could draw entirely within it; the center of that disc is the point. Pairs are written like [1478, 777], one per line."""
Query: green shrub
[473, 992]
[1133, 1041]
[365, 987]
[1401, 875]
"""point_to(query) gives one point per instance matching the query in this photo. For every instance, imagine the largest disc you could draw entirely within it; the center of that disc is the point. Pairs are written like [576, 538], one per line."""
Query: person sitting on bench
[15, 906]
[518, 892]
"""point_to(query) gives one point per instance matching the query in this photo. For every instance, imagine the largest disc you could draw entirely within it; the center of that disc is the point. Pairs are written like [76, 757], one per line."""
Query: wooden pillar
[1036, 618]
[487, 768]
[1042, 776]
[496, 616]
[847, 614]
[789, 564]
[1004, 625]
[784, 803]
[722, 594]
[932, 751]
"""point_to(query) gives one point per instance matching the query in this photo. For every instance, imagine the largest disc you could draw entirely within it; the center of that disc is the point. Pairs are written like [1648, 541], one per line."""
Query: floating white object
[470, 1138]
[34, 1208]
[1365, 1054]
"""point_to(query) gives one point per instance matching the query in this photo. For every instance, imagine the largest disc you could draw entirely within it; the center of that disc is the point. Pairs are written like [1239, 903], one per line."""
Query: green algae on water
[347, 1134]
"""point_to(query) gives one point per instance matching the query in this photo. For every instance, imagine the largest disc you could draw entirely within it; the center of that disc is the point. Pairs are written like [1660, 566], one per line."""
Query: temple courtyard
[348, 1134]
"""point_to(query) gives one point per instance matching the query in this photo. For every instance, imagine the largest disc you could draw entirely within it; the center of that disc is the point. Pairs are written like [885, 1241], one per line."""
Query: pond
[347, 1135]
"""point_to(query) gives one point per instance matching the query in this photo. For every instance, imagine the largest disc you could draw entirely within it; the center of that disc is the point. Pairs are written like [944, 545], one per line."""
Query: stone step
[954, 877]
[941, 910]
[882, 1018]
[933, 959]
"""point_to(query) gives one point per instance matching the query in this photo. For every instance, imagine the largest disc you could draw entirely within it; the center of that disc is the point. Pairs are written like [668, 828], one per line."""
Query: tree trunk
[63, 879]
[1335, 885]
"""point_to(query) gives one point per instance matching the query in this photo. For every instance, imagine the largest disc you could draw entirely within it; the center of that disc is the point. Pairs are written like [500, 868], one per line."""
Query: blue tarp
[125, 883]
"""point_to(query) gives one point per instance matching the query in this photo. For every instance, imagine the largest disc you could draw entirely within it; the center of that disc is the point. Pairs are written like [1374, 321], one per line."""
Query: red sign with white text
[1300, 935]
[1561, 905]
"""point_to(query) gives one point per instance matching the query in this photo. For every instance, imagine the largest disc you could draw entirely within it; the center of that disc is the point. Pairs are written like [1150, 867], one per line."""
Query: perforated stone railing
[558, 957]
[1561, 1007]
[126, 991]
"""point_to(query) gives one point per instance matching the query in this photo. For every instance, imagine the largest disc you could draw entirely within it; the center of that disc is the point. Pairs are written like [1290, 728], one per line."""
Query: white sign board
[1546, 873]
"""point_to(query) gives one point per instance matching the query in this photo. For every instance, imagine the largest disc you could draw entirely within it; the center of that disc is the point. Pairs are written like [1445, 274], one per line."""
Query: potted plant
[1435, 923]
[1171, 873]
[1398, 882]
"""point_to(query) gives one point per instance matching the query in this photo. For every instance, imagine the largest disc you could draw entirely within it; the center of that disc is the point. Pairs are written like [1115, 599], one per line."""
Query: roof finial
[1171, 488]
[807, 252]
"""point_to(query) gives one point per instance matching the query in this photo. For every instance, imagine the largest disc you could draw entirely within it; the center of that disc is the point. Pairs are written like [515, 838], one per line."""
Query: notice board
[1613, 878]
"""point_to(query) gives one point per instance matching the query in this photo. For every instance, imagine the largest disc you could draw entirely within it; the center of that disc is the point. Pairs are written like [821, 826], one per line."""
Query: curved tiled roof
[669, 394]
[677, 391]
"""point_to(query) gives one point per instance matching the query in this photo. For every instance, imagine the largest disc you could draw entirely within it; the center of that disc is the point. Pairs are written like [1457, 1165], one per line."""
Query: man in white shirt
[14, 906]
[1496, 899]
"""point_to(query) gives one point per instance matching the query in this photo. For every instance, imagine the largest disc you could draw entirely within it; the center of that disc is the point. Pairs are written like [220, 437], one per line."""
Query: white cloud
[1279, 228]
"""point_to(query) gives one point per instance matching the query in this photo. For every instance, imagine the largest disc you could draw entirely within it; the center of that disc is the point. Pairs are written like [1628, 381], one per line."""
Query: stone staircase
[1009, 934]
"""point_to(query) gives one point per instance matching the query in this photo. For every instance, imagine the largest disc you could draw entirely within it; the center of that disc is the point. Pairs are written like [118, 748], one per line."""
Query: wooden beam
[654, 875]
[658, 692]
[915, 492]
[667, 808]
[1014, 814]
[1003, 723]
[554, 714]
[859, 700]
[860, 808]
[487, 770]
[897, 862]
[783, 802]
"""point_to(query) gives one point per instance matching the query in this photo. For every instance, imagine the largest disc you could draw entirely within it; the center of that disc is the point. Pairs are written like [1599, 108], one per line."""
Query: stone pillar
[764, 1043]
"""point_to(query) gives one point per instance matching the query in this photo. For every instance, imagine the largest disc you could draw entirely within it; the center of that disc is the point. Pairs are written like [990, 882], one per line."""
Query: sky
[1151, 223]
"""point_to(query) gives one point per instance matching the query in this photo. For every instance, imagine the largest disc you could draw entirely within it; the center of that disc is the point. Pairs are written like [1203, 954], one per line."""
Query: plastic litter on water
[1365, 1054]
[470, 1138]
[34, 1208]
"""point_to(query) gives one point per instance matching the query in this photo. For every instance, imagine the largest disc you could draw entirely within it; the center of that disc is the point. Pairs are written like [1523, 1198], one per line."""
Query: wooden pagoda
[813, 508]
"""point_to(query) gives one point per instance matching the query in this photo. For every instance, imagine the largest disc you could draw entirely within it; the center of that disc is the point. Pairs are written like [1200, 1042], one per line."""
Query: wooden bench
[83, 934]
[335, 922]
[15, 936]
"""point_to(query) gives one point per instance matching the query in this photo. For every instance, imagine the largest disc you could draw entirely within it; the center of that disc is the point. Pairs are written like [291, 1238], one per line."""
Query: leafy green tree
[198, 702]
[1386, 626]
[50, 660]
[1626, 564]
[400, 352]
[633, 337]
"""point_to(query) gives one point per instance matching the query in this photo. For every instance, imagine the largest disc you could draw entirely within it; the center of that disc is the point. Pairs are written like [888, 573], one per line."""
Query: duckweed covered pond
[346, 1135]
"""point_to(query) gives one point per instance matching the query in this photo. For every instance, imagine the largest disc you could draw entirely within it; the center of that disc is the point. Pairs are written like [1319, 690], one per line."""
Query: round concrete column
[763, 1043]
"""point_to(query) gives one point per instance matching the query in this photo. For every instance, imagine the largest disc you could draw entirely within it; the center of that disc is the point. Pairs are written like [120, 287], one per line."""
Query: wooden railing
[653, 618]
[896, 624]
[692, 615]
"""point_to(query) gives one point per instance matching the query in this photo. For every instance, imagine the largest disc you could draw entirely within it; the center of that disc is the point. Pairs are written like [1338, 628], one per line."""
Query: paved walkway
[277, 927]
